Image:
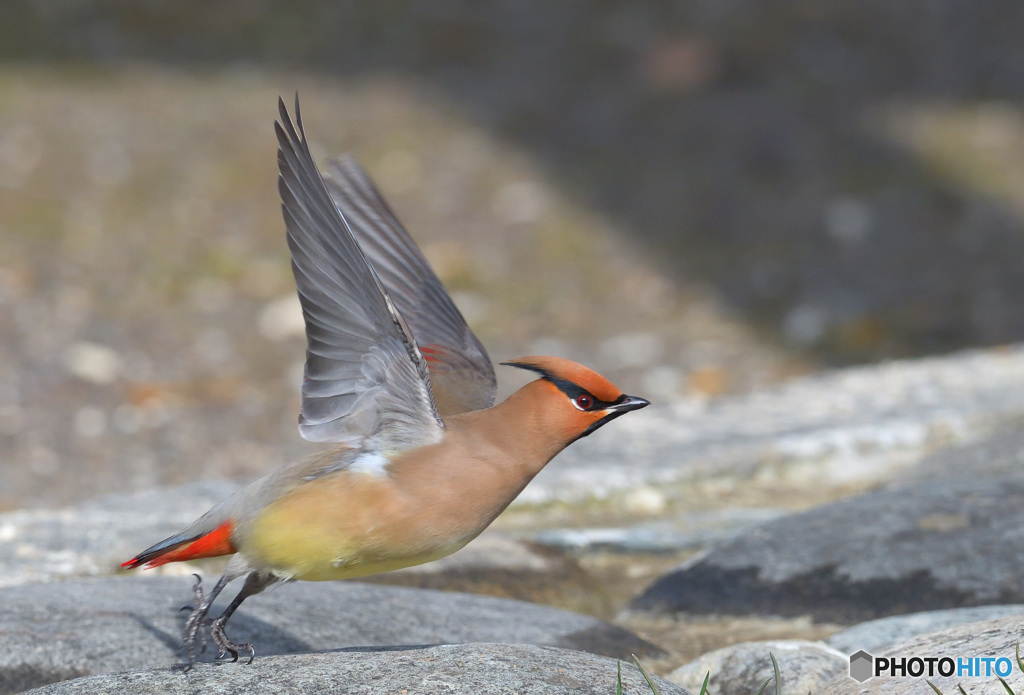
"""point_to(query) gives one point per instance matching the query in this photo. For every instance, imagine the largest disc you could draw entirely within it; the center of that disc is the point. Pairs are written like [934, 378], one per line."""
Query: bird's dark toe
[226, 646]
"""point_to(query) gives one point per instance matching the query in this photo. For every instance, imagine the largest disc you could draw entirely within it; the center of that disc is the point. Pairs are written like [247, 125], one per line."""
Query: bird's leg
[254, 583]
[193, 631]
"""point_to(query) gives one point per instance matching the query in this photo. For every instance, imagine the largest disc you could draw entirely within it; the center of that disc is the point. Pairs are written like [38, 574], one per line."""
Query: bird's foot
[225, 645]
[194, 636]
[193, 633]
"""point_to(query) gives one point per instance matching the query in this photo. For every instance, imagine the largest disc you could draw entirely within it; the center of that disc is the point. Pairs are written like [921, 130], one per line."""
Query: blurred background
[697, 198]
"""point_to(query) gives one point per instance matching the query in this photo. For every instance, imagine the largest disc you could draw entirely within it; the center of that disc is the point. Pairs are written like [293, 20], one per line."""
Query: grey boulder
[875, 635]
[995, 456]
[464, 668]
[993, 638]
[53, 632]
[921, 547]
[742, 669]
[673, 534]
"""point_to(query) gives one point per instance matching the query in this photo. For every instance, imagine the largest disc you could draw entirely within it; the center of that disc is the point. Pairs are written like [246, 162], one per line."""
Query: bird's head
[583, 399]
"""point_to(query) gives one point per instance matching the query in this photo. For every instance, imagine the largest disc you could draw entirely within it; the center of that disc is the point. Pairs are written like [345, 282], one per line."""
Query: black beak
[620, 407]
[629, 403]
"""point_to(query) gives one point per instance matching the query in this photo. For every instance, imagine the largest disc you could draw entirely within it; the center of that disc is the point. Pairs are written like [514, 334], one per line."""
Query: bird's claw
[194, 632]
[226, 646]
[197, 620]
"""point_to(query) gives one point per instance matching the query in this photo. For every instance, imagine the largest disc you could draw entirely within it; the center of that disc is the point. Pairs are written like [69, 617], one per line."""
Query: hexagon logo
[861, 666]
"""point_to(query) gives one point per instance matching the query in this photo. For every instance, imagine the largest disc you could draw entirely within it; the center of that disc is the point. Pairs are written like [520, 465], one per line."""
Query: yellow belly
[351, 525]
[347, 570]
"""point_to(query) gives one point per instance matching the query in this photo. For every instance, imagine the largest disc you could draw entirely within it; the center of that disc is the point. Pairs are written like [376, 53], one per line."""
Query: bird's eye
[583, 402]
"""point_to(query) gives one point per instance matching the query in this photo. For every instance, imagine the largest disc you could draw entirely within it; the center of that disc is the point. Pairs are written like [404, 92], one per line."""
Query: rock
[875, 635]
[460, 668]
[993, 638]
[690, 637]
[96, 537]
[743, 668]
[497, 564]
[922, 547]
[677, 534]
[51, 632]
[995, 456]
[858, 425]
[97, 364]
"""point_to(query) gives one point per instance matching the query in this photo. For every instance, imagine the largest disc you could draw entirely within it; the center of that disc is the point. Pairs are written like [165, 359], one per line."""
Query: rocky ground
[914, 467]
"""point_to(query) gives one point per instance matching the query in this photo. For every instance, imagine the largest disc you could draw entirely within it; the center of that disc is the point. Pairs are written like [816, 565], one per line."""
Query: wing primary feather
[461, 373]
[362, 355]
[321, 190]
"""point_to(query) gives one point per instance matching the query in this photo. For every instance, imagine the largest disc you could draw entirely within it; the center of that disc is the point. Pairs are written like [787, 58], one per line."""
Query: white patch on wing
[370, 462]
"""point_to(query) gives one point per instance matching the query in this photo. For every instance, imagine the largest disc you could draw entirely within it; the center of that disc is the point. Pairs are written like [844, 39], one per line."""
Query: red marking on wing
[216, 542]
[432, 353]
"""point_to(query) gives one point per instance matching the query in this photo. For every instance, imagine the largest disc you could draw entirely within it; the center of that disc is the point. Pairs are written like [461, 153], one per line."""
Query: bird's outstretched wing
[461, 373]
[365, 378]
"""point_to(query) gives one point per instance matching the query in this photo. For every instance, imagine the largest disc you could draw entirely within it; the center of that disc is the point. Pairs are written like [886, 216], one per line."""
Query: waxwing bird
[421, 459]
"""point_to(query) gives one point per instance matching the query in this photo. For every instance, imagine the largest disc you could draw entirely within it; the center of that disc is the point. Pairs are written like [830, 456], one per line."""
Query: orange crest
[567, 370]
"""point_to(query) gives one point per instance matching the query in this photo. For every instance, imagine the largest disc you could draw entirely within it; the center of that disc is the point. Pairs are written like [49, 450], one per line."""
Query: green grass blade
[932, 686]
[961, 689]
[764, 685]
[704, 688]
[1020, 664]
[778, 677]
[646, 675]
[1006, 685]
[618, 680]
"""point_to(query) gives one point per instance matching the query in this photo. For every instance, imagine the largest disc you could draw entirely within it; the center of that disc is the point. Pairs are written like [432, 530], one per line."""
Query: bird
[420, 460]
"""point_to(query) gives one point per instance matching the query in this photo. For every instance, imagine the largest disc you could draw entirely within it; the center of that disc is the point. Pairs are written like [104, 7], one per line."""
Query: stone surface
[994, 456]
[499, 564]
[61, 630]
[875, 635]
[922, 547]
[743, 668]
[992, 638]
[669, 535]
[97, 536]
[463, 668]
